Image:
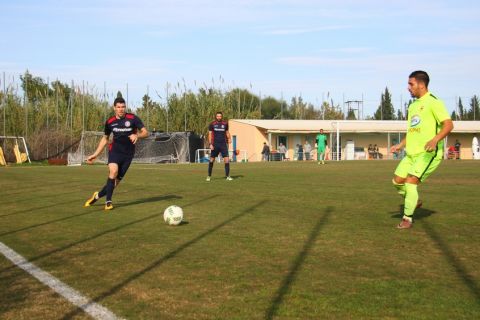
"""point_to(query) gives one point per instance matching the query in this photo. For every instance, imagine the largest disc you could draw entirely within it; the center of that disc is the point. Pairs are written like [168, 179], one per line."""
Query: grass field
[281, 241]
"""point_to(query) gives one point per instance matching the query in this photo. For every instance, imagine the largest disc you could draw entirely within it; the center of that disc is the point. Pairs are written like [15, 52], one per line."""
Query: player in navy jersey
[127, 128]
[219, 139]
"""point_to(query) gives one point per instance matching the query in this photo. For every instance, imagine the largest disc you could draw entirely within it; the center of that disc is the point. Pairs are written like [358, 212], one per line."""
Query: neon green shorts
[420, 165]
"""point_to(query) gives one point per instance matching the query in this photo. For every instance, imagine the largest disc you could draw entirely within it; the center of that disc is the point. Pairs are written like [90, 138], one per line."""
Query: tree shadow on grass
[112, 230]
[419, 213]
[49, 206]
[146, 200]
[453, 260]
[296, 265]
[166, 257]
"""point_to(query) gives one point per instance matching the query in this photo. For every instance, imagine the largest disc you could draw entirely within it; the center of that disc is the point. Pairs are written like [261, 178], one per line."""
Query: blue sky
[341, 49]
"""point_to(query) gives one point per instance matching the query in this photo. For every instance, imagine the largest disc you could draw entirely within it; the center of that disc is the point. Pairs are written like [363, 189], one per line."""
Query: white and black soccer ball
[173, 215]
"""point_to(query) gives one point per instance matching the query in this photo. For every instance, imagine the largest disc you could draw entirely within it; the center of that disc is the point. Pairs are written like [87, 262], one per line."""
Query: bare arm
[210, 139]
[399, 146]
[135, 136]
[101, 145]
[447, 127]
[227, 135]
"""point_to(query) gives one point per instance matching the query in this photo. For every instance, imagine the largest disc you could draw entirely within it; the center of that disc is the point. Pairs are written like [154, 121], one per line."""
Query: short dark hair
[219, 112]
[118, 100]
[420, 76]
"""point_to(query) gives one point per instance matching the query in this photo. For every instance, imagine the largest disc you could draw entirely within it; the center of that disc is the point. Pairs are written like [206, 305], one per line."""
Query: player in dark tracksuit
[127, 128]
[219, 138]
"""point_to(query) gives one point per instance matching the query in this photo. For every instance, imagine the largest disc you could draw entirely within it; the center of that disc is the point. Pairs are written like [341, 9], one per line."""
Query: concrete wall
[249, 138]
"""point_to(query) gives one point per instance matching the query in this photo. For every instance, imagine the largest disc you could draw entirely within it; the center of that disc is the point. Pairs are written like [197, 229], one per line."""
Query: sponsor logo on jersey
[415, 121]
[122, 129]
[219, 129]
[114, 124]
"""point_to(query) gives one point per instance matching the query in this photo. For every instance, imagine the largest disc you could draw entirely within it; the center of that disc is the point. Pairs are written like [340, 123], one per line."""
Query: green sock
[411, 198]
[400, 188]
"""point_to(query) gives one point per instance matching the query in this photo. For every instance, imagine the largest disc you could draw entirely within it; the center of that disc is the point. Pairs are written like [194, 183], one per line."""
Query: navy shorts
[123, 162]
[219, 149]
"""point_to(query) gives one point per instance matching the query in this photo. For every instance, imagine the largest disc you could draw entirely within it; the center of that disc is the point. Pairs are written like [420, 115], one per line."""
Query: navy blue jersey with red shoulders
[121, 129]
[219, 129]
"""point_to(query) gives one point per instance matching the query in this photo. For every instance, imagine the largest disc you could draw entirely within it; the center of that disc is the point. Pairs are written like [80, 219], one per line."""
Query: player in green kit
[428, 123]
[321, 145]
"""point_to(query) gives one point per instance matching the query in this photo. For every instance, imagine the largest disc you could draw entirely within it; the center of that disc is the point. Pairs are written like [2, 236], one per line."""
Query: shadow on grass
[297, 263]
[455, 262]
[145, 200]
[47, 206]
[46, 223]
[98, 235]
[419, 213]
[33, 186]
[166, 257]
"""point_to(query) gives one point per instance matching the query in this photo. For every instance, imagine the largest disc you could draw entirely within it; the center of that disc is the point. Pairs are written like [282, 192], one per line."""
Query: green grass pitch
[287, 240]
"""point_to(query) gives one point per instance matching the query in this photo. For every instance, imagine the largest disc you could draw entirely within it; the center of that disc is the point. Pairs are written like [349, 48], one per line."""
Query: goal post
[13, 149]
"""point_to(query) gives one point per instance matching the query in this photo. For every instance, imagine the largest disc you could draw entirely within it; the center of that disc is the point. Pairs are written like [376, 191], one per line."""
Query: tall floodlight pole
[48, 103]
[128, 104]
[4, 106]
[148, 107]
[83, 106]
[281, 105]
[105, 100]
[25, 103]
[166, 105]
[72, 102]
[185, 107]
[56, 112]
[260, 103]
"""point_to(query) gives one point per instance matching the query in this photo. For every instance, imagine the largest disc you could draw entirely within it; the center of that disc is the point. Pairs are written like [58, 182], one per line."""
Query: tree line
[52, 115]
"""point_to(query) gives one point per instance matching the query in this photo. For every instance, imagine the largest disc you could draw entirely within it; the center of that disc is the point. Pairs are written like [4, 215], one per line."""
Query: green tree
[351, 115]
[35, 88]
[461, 110]
[330, 112]
[385, 110]
[271, 108]
[474, 111]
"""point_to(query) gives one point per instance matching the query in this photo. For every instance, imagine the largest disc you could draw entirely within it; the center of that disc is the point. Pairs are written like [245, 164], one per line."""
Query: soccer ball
[173, 215]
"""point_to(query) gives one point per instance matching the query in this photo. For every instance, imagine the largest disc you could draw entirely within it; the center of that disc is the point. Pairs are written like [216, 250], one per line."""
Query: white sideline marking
[72, 295]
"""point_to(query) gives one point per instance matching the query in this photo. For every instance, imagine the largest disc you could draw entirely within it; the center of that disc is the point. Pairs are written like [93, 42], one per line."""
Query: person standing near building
[265, 152]
[428, 124]
[282, 150]
[219, 139]
[475, 148]
[307, 148]
[457, 149]
[321, 141]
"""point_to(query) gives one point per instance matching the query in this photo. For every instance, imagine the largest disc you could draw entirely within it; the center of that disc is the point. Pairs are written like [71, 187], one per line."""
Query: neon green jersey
[321, 141]
[425, 116]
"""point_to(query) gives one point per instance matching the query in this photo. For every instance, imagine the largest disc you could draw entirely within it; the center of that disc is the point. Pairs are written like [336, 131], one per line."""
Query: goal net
[87, 146]
[163, 148]
[203, 155]
[13, 149]
[157, 148]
